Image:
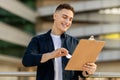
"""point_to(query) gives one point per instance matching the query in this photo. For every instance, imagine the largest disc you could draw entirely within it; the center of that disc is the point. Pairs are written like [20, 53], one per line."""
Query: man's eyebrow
[65, 15]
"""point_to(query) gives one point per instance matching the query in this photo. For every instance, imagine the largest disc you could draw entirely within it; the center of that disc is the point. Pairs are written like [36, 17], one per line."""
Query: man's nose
[67, 21]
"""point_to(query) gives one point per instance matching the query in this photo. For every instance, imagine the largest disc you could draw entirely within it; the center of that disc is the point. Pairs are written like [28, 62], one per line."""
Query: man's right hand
[57, 53]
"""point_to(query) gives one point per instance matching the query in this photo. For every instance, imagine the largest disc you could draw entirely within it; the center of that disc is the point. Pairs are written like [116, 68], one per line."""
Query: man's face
[63, 19]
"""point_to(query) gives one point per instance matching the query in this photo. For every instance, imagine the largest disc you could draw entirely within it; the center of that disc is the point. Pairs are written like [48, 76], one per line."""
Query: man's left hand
[90, 68]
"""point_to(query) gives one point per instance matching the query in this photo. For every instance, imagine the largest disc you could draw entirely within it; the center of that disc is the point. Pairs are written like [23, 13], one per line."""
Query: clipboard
[86, 51]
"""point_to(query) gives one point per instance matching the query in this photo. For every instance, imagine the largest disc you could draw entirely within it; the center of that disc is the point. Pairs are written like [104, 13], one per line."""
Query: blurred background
[20, 20]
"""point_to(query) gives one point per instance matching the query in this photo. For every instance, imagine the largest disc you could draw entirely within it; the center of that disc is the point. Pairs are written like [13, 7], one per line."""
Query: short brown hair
[65, 6]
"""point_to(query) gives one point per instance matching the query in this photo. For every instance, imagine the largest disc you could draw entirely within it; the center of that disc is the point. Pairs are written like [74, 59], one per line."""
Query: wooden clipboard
[86, 51]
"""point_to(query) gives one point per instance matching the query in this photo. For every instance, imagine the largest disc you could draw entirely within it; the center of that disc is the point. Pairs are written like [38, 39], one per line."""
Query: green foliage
[9, 18]
[7, 48]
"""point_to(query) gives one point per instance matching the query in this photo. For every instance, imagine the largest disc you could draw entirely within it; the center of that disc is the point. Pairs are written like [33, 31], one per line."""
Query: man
[49, 51]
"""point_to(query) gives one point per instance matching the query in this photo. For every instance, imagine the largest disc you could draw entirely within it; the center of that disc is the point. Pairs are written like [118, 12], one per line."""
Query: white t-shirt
[58, 62]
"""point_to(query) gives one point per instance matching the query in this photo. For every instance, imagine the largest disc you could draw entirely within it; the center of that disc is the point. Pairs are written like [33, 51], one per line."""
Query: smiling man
[49, 51]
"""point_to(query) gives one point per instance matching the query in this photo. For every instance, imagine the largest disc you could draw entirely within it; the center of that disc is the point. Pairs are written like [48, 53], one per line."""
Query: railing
[14, 74]
[106, 74]
[33, 74]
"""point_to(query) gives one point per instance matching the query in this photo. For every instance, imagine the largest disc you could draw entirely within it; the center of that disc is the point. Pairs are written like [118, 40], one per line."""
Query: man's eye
[70, 19]
[65, 17]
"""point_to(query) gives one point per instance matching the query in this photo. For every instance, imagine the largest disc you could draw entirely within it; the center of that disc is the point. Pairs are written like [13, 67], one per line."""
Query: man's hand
[89, 69]
[57, 53]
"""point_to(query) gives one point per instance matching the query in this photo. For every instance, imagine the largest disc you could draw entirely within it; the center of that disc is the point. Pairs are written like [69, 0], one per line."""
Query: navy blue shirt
[43, 44]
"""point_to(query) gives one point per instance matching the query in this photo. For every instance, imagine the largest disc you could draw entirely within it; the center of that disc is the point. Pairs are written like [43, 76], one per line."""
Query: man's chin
[64, 30]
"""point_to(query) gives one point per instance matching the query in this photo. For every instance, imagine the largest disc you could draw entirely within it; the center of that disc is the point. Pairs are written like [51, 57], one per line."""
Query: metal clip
[91, 38]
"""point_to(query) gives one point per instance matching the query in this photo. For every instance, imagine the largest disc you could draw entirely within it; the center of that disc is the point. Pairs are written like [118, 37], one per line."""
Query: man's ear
[54, 16]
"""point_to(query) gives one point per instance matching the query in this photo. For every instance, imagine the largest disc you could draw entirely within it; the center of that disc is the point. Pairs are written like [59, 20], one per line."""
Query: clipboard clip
[91, 38]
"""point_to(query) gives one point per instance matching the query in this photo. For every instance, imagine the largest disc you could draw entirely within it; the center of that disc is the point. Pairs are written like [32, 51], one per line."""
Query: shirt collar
[62, 36]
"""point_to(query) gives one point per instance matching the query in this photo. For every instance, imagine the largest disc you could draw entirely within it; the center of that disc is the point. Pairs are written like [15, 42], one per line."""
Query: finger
[89, 68]
[91, 64]
[59, 53]
[63, 54]
[56, 53]
[64, 50]
[90, 71]
[85, 67]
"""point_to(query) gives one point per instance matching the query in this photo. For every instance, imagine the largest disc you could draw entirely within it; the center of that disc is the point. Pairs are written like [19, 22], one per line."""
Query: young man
[49, 51]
